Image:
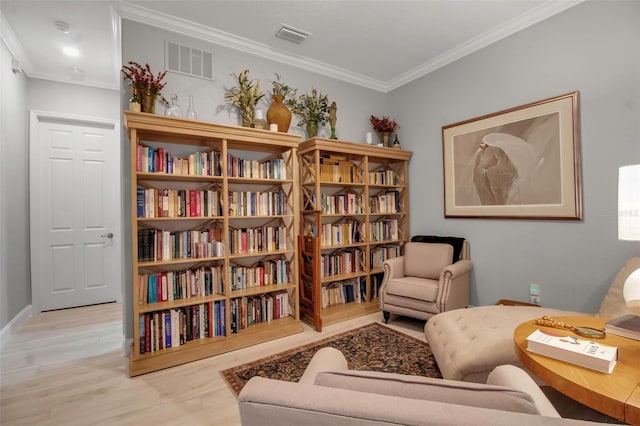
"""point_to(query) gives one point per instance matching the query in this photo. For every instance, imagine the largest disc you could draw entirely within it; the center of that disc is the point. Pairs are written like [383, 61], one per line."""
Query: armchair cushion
[426, 260]
[415, 288]
[430, 389]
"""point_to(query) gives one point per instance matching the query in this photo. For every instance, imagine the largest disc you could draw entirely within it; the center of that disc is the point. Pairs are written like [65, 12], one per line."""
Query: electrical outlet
[534, 294]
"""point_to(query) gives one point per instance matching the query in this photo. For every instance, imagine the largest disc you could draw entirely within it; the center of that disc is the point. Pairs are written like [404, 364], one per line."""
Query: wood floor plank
[67, 368]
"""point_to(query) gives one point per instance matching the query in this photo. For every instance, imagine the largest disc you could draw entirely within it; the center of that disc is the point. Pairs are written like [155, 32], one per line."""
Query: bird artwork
[502, 168]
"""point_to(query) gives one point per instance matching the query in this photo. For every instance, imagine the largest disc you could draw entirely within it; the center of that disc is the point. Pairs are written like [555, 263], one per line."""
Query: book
[626, 326]
[585, 353]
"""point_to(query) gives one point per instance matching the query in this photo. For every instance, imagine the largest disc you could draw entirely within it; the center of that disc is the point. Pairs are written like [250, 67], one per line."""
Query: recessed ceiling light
[71, 51]
[294, 35]
[62, 26]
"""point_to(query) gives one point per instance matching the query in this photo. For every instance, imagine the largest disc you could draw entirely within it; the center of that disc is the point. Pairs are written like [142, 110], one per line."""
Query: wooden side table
[616, 395]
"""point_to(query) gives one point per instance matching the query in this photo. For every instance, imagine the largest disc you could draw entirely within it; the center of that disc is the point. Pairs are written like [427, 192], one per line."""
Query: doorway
[76, 238]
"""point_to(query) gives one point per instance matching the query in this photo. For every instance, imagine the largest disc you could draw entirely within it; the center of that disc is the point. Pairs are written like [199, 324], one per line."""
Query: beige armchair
[426, 281]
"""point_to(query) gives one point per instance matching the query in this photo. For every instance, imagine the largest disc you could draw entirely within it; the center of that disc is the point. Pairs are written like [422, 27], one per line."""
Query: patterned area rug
[372, 347]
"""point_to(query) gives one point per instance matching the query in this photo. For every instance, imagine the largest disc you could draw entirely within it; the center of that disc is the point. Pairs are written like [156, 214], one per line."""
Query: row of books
[152, 160]
[156, 244]
[152, 202]
[275, 168]
[175, 327]
[348, 203]
[335, 234]
[343, 262]
[258, 239]
[389, 202]
[382, 177]
[249, 203]
[176, 285]
[343, 292]
[383, 230]
[265, 273]
[380, 254]
[336, 169]
[246, 311]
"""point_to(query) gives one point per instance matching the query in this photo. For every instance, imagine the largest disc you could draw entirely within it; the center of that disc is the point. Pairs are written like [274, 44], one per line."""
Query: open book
[585, 353]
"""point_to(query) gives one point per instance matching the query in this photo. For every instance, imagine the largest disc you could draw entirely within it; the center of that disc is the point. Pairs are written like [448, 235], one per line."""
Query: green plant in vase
[312, 109]
[245, 96]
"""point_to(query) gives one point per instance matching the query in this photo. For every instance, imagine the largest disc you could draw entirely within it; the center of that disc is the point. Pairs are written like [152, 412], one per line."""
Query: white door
[74, 211]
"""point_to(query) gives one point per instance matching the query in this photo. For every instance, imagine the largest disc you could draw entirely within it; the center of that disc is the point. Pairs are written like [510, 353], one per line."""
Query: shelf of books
[354, 216]
[214, 220]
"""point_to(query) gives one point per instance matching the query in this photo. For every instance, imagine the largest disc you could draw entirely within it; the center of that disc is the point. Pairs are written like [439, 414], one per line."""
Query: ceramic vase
[279, 114]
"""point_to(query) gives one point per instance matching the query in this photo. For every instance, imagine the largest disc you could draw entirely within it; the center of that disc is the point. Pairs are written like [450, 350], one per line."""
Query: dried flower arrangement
[245, 96]
[384, 124]
[310, 108]
[282, 89]
[143, 79]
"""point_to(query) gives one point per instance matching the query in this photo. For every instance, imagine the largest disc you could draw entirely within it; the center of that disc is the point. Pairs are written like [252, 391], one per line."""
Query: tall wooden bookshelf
[354, 215]
[214, 219]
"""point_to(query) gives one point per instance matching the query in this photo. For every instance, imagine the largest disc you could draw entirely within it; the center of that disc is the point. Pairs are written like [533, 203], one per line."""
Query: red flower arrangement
[384, 124]
[144, 80]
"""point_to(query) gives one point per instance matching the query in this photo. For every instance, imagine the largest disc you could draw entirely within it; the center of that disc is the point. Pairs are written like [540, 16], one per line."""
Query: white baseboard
[13, 325]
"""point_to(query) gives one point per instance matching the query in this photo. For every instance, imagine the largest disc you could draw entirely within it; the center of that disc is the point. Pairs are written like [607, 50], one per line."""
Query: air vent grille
[189, 61]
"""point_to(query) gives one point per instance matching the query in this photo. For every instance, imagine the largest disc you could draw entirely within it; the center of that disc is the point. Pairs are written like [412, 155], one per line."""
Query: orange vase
[279, 114]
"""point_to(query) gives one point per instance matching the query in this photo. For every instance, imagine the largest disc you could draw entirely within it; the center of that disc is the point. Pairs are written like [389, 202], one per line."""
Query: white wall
[594, 48]
[15, 290]
[73, 99]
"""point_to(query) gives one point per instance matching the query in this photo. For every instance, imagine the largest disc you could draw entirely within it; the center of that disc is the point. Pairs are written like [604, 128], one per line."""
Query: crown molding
[187, 28]
[542, 12]
[15, 47]
[222, 38]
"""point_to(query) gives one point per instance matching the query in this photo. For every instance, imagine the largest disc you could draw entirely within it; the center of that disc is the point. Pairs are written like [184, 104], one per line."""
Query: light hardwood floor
[67, 368]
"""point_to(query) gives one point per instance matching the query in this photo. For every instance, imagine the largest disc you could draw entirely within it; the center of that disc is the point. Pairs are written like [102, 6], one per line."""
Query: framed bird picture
[520, 163]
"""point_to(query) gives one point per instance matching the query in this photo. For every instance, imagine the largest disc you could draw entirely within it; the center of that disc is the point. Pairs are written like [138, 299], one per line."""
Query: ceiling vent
[294, 35]
[189, 61]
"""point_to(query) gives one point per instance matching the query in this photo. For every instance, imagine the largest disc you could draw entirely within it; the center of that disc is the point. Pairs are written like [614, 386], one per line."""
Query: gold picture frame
[520, 163]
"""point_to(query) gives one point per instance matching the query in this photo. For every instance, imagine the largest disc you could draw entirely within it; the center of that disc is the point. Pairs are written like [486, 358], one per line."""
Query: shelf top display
[353, 148]
[162, 129]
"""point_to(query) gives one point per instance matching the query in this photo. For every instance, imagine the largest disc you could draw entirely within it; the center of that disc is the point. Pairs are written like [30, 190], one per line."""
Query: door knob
[109, 235]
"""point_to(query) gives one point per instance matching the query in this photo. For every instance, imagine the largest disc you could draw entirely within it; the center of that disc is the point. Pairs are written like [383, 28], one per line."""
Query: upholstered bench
[469, 343]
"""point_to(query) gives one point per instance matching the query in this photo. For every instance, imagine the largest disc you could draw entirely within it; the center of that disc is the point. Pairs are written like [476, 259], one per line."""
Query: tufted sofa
[330, 394]
[469, 343]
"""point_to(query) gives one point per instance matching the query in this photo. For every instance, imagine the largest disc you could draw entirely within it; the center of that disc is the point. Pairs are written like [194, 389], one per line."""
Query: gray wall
[594, 48]
[15, 290]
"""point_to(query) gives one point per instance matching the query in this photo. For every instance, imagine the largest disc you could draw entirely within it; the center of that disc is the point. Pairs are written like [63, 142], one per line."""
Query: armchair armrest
[454, 270]
[326, 359]
[516, 378]
[393, 268]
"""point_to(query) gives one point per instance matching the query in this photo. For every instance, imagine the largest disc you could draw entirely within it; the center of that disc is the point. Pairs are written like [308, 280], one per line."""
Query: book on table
[585, 353]
[626, 326]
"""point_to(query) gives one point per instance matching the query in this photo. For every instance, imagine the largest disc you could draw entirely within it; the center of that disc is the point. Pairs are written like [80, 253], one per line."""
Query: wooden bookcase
[214, 221]
[354, 215]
